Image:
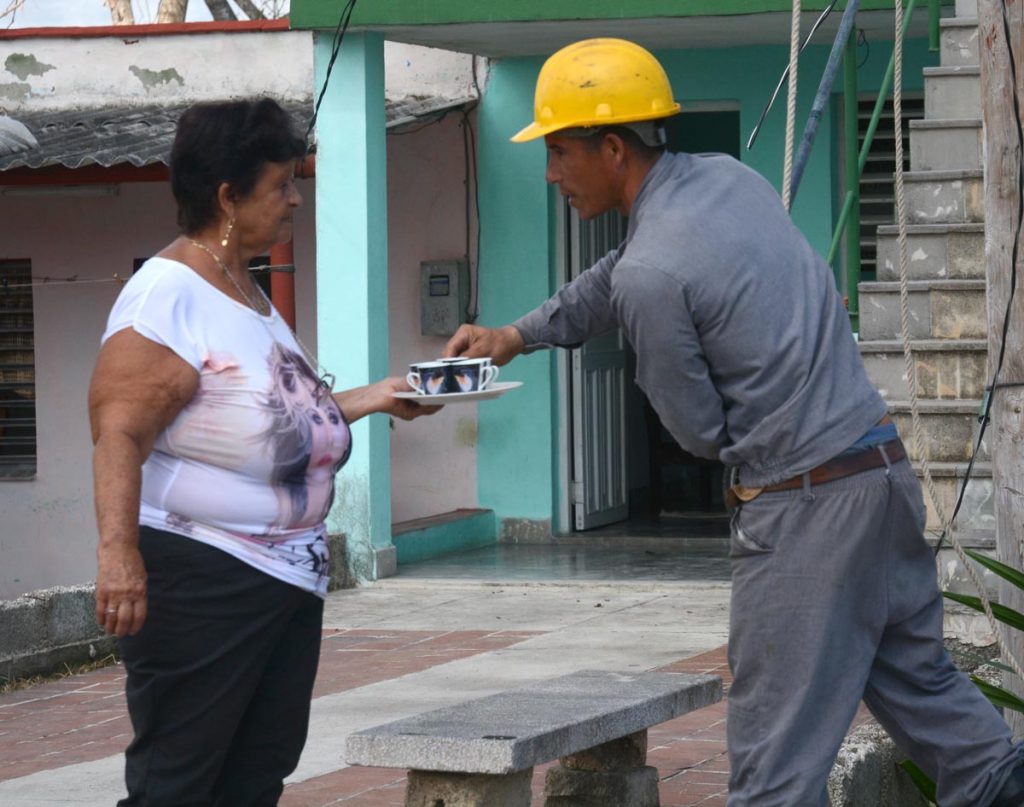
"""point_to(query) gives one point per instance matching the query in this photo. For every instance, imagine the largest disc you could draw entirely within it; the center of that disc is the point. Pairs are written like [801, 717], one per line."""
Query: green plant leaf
[1008, 573]
[920, 779]
[999, 697]
[1015, 619]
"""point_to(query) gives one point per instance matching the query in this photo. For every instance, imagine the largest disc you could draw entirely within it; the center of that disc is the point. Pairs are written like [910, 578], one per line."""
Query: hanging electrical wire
[785, 74]
[472, 190]
[339, 37]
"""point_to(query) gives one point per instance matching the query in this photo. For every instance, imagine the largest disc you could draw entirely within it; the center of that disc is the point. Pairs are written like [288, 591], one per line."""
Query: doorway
[621, 469]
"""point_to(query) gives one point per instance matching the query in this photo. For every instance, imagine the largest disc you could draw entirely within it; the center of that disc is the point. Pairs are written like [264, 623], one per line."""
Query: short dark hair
[632, 140]
[226, 141]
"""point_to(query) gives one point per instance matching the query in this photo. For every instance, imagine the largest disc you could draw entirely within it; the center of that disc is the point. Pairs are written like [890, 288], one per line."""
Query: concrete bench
[481, 753]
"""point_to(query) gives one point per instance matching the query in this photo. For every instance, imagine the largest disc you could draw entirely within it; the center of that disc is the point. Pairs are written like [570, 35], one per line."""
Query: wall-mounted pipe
[282, 256]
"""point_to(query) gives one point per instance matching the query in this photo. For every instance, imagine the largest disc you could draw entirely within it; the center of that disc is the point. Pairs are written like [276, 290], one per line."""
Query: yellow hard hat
[598, 82]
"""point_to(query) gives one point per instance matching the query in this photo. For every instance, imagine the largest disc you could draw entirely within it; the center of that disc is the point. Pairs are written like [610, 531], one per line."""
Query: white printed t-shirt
[248, 464]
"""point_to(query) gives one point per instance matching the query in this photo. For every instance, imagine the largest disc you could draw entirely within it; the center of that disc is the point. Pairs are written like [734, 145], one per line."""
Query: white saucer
[496, 390]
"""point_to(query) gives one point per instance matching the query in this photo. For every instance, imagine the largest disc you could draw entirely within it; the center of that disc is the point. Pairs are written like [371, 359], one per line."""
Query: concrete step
[940, 251]
[947, 370]
[984, 541]
[944, 197]
[938, 309]
[958, 44]
[967, 8]
[952, 92]
[949, 429]
[974, 527]
[945, 145]
[967, 624]
[977, 514]
[959, 619]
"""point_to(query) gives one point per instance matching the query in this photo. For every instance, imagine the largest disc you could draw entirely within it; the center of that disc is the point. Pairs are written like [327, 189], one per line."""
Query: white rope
[911, 370]
[794, 57]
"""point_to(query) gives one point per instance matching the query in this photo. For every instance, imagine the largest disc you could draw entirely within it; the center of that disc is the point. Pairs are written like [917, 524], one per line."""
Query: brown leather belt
[835, 468]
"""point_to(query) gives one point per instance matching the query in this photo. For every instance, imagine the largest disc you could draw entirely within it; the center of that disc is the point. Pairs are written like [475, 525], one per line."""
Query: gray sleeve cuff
[528, 326]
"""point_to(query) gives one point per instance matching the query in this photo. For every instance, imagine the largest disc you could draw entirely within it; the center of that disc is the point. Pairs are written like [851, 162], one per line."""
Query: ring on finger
[111, 610]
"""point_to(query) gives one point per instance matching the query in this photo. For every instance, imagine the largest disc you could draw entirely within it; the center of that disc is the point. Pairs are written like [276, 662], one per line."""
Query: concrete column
[435, 788]
[609, 775]
[351, 276]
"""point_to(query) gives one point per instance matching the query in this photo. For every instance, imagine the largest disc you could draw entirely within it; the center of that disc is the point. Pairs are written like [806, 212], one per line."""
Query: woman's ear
[226, 199]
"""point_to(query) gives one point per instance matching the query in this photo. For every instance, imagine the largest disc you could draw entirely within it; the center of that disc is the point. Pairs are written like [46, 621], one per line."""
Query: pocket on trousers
[757, 526]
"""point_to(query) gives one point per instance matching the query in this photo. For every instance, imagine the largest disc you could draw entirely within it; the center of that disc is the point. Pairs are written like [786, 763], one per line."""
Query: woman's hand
[403, 408]
[120, 589]
[379, 397]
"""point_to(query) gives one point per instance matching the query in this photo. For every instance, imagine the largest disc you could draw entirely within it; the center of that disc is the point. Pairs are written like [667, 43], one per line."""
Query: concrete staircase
[948, 323]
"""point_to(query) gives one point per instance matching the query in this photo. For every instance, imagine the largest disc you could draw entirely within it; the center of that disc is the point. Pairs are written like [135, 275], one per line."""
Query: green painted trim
[368, 14]
[470, 532]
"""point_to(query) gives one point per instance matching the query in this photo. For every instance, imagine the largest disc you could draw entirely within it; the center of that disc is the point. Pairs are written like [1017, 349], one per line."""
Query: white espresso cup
[472, 375]
[430, 378]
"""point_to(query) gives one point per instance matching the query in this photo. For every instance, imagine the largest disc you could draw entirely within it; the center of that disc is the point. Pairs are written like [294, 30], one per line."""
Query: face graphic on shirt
[308, 436]
[329, 439]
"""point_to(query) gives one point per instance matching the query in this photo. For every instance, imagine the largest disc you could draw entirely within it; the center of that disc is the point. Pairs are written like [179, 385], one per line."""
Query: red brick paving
[689, 753]
[83, 717]
[355, 658]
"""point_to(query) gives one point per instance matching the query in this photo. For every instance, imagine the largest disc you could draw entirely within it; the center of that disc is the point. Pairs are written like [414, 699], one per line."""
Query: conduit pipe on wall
[282, 283]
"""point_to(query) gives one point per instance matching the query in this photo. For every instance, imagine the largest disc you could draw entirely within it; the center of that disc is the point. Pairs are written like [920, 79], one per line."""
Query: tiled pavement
[406, 646]
[689, 753]
[83, 718]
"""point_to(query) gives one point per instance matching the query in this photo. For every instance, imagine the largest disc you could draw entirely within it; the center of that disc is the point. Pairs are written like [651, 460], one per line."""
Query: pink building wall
[48, 533]
[433, 459]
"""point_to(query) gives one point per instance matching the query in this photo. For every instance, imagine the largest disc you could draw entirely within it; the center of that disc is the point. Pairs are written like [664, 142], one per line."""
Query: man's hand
[474, 341]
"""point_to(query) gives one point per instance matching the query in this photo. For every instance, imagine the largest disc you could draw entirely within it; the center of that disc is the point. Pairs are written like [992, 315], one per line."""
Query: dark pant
[219, 679]
[834, 599]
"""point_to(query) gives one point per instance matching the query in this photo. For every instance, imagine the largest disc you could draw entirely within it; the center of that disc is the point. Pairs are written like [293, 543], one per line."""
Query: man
[744, 349]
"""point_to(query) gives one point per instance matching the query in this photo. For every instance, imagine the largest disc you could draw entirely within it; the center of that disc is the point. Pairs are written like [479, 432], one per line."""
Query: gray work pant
[835, 599]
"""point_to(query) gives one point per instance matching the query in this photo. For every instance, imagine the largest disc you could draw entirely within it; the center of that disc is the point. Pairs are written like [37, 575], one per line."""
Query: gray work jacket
[743, 345]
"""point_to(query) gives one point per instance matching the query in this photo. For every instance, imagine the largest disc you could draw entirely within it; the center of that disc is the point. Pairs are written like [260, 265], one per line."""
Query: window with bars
[17, 372]
[877, 182]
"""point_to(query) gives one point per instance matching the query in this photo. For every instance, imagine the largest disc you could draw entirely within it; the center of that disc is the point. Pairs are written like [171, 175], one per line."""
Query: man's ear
[615, 149]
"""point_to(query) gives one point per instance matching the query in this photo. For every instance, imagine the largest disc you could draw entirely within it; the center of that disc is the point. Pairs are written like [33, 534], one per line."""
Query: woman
[216, 446]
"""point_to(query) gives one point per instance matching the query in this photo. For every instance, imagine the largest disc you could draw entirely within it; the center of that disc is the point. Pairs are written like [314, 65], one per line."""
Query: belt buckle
[745, 494]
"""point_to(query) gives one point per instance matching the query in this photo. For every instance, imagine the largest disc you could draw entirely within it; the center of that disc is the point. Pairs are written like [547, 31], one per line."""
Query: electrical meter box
[444, 297]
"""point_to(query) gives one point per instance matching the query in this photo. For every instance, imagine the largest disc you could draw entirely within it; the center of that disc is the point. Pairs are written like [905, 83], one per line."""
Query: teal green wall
[517, 476]
[516, 431]
[324, 13]
[352, 282]
[470, 532]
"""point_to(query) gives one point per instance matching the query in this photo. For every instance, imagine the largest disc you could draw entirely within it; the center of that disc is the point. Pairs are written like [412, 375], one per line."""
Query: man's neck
[634, 181]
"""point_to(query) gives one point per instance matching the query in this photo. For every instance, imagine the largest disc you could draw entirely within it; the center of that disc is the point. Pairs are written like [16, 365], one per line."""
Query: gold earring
[227, 233]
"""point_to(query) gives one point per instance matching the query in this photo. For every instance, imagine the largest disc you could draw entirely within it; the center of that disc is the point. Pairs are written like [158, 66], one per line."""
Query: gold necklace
[326, 379]
[262, 308]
